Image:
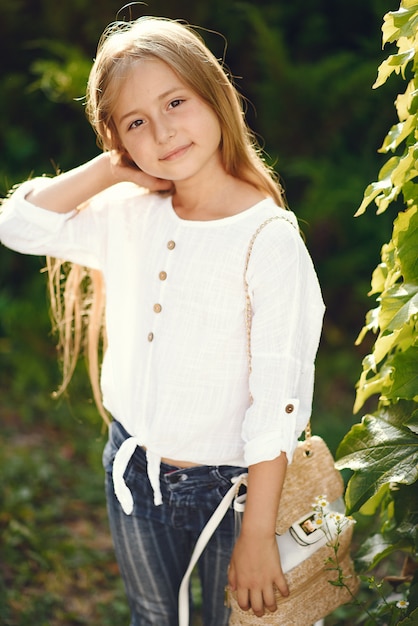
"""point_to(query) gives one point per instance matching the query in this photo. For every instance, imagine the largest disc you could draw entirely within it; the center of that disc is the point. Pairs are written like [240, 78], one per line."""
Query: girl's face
[167, 129]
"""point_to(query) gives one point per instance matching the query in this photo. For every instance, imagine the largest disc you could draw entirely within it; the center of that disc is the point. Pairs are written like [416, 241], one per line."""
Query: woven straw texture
[307, 477]
[311, 597]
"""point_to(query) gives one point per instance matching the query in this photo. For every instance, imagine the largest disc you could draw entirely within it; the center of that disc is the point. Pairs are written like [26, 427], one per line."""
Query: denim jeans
[153, 545]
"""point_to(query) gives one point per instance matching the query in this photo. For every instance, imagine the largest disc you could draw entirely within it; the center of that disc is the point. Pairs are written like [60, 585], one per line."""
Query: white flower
[321, 501]
[402, 604]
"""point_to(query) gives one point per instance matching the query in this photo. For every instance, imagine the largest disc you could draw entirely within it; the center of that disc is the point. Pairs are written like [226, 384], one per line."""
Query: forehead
[148, 79]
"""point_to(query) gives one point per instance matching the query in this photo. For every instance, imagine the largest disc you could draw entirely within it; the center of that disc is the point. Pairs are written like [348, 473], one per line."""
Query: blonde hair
[182, 49]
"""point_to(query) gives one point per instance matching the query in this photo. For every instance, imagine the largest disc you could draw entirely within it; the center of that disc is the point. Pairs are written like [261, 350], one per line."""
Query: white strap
[201, 543]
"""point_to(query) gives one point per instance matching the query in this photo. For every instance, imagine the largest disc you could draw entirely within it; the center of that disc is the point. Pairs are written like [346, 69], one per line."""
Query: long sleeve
[75, 236]
[286, 326]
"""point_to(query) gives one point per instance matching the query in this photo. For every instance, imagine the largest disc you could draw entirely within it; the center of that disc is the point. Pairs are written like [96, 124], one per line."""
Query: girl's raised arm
[69, 190]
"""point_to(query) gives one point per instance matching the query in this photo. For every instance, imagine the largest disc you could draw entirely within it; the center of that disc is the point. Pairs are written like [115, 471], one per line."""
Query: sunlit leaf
[372, 192]
[394, 63]
[369, 386]
[405, 170]
[405, 102]
[410, 4]
[398, 133]
[405, 237]
[398, 306]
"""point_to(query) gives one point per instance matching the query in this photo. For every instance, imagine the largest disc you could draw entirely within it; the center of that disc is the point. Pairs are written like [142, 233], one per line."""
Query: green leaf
[378, 452]
[410, 193]
[405, 376]
[371, 506]
[376, 548]
[398, 133]
[400, 414]
[406, 102]
[404, 20]
[381, 188]
[410, 620]
[370, 385]
[372, 324]
[399, 304]
[394, 63]
[412, 422]
[405, 170]
[405, 500]
[405, 239]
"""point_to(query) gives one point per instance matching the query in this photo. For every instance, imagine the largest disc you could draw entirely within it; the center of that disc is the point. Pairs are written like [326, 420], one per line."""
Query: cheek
[137, 149]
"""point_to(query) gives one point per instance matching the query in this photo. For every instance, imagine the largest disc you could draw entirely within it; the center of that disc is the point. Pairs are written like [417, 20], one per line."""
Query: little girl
[166, 215]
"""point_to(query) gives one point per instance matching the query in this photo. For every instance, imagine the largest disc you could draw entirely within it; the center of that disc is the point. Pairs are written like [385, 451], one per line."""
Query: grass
[57, 564]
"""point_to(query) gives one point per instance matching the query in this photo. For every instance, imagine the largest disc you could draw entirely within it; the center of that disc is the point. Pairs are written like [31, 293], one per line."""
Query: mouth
[176, 153]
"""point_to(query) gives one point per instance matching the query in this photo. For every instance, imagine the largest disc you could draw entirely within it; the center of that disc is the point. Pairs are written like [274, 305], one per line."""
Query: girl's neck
[219, 199]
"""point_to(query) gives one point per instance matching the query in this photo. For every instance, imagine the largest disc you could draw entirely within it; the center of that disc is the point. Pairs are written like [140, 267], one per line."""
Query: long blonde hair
[79, 313]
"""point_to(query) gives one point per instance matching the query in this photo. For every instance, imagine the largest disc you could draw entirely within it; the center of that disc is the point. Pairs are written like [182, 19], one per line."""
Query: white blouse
[175, 373]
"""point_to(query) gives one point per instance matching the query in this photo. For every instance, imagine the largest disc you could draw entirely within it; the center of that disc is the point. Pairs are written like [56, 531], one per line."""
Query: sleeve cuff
[270, 444]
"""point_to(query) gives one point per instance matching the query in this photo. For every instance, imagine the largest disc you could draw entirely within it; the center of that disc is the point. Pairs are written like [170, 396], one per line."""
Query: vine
[382, 450]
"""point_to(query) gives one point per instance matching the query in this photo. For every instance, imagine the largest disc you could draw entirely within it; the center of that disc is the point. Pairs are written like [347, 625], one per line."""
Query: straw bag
[307, 557]
[305, 545]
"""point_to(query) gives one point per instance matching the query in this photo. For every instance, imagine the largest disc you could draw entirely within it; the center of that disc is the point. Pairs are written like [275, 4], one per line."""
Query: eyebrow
[162, 96]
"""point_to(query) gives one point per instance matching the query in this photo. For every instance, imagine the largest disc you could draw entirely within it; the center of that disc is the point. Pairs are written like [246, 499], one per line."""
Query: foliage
[382, 450]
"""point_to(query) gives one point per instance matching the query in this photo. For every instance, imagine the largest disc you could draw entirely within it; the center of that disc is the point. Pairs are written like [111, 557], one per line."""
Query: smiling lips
[175, 153]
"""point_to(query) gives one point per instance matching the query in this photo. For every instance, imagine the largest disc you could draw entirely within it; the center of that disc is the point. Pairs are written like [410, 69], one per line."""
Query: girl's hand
[255, 573]
[125, 170]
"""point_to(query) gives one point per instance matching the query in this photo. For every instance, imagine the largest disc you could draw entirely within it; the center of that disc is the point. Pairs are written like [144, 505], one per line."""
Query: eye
[175, 103]
[135, 124]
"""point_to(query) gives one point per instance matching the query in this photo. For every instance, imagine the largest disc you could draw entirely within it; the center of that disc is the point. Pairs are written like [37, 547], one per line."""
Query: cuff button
[290, 408]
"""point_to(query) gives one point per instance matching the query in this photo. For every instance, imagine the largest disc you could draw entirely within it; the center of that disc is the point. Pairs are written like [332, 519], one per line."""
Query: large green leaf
[378, 452]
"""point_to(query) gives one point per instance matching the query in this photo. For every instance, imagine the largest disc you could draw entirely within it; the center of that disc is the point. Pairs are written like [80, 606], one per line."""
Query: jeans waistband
[129, 449]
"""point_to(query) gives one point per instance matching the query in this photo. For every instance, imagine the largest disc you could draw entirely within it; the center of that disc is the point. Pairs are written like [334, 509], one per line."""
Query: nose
[163, 131]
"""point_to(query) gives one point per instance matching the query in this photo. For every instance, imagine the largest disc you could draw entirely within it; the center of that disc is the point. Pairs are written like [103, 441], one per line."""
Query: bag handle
[201, 543]
[228, 498]
[248, 307]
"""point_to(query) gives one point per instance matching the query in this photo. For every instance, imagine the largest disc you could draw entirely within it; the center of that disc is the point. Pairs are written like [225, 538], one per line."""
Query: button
[157, 308]
[290, 408]
[171, 245]
[175, 478]
[150, 336]
[162, 275]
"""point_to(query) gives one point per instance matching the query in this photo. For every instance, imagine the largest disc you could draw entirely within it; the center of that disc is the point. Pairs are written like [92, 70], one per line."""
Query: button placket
[162, 276]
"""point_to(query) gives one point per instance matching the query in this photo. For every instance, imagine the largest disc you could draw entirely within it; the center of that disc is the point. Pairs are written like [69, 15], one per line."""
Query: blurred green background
[306, 68]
